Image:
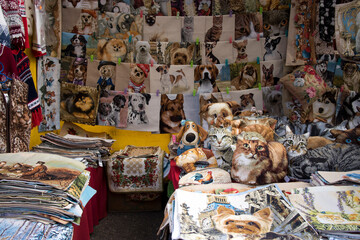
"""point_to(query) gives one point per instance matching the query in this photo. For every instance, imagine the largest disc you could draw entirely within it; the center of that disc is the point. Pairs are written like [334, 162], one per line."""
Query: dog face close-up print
[78, 103]
[274, 48]
[133, 77]
[248, 50]
[74, 45]
[271, 72]
[212, 78]
[74, 70]
[171, 79]
[143, 112]
[248, 99]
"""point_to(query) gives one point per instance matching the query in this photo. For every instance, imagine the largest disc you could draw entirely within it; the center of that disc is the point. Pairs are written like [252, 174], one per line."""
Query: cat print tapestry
[143, 112]
[50, 169]
[177, 107]
[162, 29]
[347, 31]
[250, 99]
[135, 78]
[244, 75]
[78, 103]
[173, 79]
[333, 209]
[212, 78]
[219, 28]
[83, 4]
[113, 109]
[276, 22]
[248, 26]
[260, 213]
[48, 85]
[80, 21]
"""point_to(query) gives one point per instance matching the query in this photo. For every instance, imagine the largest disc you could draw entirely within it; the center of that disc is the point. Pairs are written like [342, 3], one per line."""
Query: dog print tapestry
[250, 99]
[135, 78]
[347, 74]
[217, 52]
[73, 45]
[119, 25]
[274, 48]
[101, 75]
[271, 72]
[74, 70]
[49, 92]
[78, 103]
[350, 109]
[53, 26]
[347, 30]
[80, 21]
[259, 213]
[212, 78]
[174, 79]
[163, 29]
[82, 4]
[272, 98]
[143, 112]
[113, 109]
[177, 107]
[244, 75]
[248, 50]
[113, 49]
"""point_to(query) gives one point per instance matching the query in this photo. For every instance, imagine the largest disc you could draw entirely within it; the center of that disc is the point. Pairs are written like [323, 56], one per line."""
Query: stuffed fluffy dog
[190, 136]
[246, 79]
[138, 74]
[137, 108]
[143, 53]
[181, 55]
[111, 50]
[219, 114]
[206, 75]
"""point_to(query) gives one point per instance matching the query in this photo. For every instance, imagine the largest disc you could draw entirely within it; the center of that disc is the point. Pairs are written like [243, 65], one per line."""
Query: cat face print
[351, 136]
[220, 138]
[295, 145]
[275, 22]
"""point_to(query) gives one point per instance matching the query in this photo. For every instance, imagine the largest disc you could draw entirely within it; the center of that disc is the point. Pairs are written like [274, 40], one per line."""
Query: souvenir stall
[240, 113]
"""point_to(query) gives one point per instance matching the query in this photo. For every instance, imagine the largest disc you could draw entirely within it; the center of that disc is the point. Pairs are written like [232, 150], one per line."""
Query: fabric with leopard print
[15, 118]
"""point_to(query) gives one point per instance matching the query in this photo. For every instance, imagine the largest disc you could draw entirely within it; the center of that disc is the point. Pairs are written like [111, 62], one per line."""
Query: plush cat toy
[190, 136]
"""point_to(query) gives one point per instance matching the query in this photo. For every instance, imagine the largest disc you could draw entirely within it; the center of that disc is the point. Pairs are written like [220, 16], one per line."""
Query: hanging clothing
[15, 118]
[4, 31]
[12, 15]
[23, 68]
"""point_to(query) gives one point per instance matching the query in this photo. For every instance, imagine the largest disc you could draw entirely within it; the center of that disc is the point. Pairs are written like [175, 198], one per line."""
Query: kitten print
[332, 157]
[256, 161]
[247, 26]
[222, 145]
[275, 22]
[351, 136]
[295, 144]
[214, 33]
[188, 29]
[244, 226]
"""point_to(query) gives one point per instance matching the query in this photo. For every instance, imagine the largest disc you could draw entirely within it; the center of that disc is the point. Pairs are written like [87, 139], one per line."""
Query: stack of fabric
[321, 178]
[90, 151]
[43, 188]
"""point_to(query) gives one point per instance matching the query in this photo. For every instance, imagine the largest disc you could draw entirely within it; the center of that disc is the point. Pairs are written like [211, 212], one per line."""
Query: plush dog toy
[190, 136]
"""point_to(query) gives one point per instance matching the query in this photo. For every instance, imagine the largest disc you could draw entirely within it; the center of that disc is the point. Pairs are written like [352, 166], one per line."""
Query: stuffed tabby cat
[222, 145]
[331, 157]
[256, 161]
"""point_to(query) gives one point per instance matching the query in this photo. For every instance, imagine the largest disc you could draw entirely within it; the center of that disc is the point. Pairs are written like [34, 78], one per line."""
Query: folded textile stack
[321, 178]
[43, 187]
[334, 211]
[89, 150]
[234, 211]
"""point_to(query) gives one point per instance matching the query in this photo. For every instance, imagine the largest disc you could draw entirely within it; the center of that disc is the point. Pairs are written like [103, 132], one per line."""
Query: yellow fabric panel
[122, 137]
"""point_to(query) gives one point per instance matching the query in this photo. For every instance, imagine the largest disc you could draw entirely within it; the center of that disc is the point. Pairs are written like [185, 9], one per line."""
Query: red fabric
[96, 208]
[36, 118]
[174, 174]
[27, 42]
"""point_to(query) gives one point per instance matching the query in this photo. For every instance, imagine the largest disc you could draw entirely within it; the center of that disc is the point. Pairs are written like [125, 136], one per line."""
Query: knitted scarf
[12, 15]
[23, 68]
